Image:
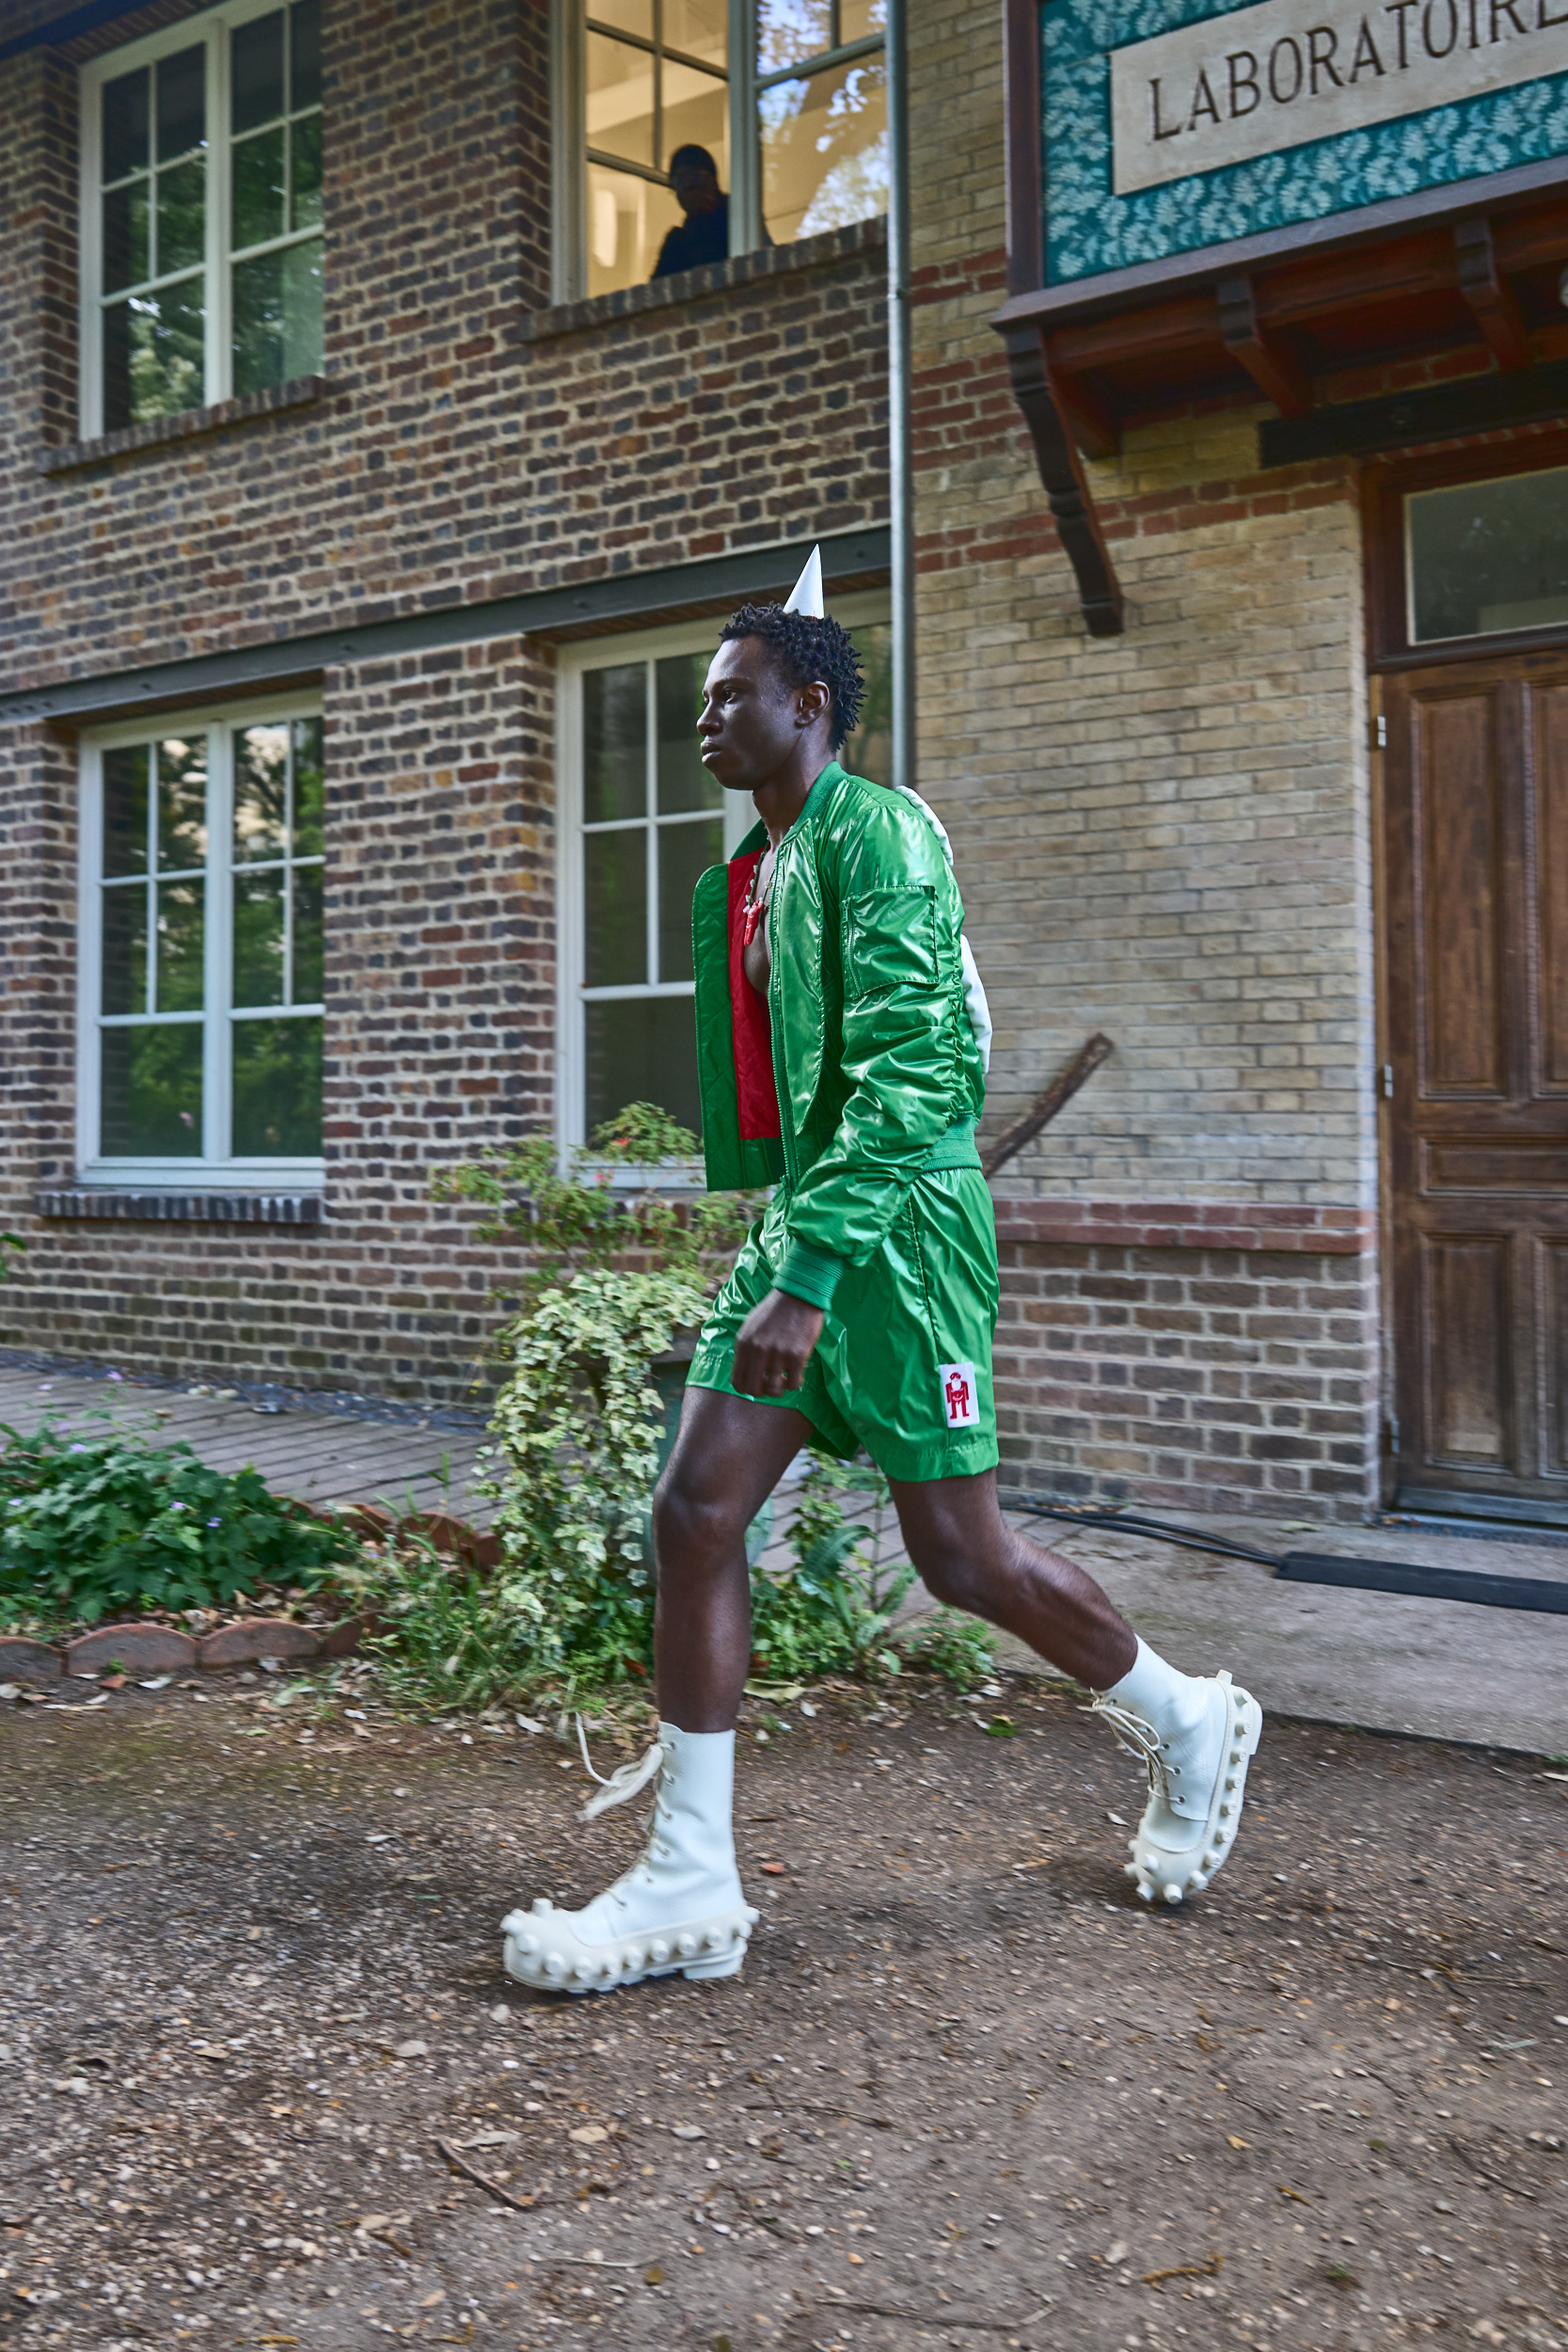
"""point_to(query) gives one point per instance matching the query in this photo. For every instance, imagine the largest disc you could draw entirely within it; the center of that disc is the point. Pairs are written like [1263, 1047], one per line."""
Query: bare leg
[728, 1457]
[968, 1557]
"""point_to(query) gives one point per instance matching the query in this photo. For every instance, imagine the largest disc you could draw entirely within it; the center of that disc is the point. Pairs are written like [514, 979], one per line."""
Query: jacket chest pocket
[890, 941]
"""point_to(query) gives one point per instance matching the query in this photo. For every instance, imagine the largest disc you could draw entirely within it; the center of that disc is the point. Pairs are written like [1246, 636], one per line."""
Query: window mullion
[89, 966]
[217, 1040]
[650, 862]
[220, 342]
[569, 168]
[745, 191]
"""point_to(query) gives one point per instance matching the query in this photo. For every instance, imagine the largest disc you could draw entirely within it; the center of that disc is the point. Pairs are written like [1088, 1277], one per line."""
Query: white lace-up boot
[678, 1909]
[1196, 1736]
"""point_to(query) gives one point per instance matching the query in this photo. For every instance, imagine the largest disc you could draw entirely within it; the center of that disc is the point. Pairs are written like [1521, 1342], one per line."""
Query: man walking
[840, 1039]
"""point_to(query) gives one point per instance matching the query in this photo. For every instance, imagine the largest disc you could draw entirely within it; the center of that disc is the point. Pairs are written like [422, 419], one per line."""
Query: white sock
[1175, 1703]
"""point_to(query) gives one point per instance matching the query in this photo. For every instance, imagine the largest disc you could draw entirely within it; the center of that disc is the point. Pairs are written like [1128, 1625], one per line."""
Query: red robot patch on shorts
[960, 1395]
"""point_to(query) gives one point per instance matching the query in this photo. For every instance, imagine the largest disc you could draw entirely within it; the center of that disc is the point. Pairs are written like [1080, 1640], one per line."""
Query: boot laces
[624, 1782]
[1139, 1739]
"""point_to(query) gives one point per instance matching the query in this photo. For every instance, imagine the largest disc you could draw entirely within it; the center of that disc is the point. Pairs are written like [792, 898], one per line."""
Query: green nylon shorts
[903, 1365]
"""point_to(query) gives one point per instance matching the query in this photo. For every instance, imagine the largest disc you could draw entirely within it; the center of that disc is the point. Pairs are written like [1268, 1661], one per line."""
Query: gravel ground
[966, 2092]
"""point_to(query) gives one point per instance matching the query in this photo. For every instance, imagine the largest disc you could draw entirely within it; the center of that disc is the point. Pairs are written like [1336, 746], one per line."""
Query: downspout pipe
[900, 501]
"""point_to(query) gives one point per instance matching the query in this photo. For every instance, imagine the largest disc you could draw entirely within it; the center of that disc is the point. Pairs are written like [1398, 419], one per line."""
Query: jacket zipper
[775, 1025]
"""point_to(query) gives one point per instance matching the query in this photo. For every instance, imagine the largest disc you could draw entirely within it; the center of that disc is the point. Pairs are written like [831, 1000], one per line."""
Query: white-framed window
[201, 213]
[641, 818]
[788, 97]
[201, 1014]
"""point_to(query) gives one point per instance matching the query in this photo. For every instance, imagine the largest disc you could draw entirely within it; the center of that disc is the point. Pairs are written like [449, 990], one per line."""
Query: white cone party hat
[806, 594]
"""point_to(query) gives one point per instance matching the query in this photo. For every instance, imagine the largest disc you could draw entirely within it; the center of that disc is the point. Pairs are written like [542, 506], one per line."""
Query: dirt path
[966, 2093]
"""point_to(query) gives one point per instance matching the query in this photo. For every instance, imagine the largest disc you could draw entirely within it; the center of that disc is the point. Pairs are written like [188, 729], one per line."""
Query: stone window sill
[101, 1203]
[665, 293]
[303, 391]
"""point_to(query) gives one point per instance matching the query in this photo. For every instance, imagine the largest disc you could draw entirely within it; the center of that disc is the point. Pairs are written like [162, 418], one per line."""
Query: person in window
[842, 1041]
[704, 235]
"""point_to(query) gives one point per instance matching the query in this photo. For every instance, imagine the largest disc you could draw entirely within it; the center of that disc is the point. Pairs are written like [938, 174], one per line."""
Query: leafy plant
[95, 1526]
[830, 1613]
[948, 1644]
[576, 1218]
[9, 1241]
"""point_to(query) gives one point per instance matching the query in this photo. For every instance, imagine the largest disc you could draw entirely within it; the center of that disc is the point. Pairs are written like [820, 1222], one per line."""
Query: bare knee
[692, 1526]
[952, 1574]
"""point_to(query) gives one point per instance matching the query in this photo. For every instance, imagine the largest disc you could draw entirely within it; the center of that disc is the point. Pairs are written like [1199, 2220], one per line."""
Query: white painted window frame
[739, 816]
[210, 29]
[214, 1167]
[570, 210]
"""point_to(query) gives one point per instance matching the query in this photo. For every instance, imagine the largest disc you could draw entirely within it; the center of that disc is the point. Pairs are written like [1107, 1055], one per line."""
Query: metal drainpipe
[900, 511]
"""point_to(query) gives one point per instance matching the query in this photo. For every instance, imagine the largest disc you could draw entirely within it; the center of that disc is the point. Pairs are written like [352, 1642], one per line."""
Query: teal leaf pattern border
[1089, 230]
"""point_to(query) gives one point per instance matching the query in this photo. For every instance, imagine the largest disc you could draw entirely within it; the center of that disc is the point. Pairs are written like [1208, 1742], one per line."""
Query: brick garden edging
[144, 1648]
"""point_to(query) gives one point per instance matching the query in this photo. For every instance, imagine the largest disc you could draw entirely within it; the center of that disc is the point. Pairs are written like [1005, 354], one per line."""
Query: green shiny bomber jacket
[879, 1076]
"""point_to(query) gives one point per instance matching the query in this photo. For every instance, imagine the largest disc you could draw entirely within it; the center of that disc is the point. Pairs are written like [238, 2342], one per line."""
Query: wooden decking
[319, 1456]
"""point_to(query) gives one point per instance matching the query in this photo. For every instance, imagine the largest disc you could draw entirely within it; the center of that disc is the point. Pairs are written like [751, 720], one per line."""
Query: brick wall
[1164, 837]
[470, 444]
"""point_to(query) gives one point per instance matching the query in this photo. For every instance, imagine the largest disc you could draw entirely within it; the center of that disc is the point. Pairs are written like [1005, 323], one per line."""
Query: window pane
[154, 355]
[258, 182]
[308, 935]
[181, 216]
[278, 332]
[178, 986]
[1489, 556]
[628, 222]
[683, 781]
[276, 1089]
[125, 810]
[644, 1050]
[181, 103]
[614, 743]
[259, 937]
[697, 114]
[308, 787]
[260, 791]
[305, 142]
[625, 16]
[124, 987]
[790, 30]
[859, 19]
[615, 907]
[305, 51]
[684, 852]
[256, 69]
[869, 750]
[701, 27]
[619, 100]
[125, 124]
[125, 238]
[181, 803]
[151, 1103]
[824, 149]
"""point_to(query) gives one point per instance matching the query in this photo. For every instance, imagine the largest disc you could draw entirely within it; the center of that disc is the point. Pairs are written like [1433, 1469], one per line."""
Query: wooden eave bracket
[1051, 423]
[1490, 299]
[1276, 371]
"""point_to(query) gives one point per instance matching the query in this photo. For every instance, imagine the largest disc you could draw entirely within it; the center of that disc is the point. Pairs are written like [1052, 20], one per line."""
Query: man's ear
[813, 702]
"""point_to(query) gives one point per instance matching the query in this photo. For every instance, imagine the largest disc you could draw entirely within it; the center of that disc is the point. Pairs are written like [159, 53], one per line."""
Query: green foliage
[95, 1526]
[445, 1637]
[830, 1613]
[948, 1644]
[577, 1219]
[9, 1241]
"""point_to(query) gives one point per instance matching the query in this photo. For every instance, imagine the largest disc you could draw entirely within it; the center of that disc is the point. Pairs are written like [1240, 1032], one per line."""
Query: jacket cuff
[810, 1274]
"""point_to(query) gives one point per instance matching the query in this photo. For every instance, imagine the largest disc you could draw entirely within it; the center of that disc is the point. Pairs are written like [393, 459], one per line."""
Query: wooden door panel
[1476, 962]
[1459, 846]
[1550, 852]
[1470, 1350]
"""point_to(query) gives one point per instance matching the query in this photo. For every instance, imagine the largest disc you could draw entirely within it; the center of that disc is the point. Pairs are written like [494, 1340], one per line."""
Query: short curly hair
[805, 651]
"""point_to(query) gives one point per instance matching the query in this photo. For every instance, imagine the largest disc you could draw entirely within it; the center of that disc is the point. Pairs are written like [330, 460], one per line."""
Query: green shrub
[830, 1613]
[91, 1527]
[948, 1644]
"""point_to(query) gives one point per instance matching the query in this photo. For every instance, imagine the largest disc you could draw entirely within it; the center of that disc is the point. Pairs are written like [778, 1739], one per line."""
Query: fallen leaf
[589, 2134]
[654, 2275]
[858, 2260]
[428, 2302]
[774, 1869]
[1210, 2269]
[1295, 2194]
[1231, 2141]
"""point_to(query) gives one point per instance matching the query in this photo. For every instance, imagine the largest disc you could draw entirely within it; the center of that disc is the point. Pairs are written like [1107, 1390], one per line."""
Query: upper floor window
[694, 129]
[199, 1028]
[201, 213]
[641, 820]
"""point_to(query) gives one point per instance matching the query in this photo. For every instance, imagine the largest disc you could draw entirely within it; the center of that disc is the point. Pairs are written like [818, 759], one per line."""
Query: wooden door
[1476, 800]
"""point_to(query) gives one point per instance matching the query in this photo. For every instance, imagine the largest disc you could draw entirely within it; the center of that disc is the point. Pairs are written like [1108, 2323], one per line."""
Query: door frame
[1386, 482]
